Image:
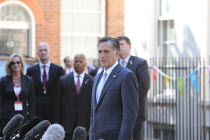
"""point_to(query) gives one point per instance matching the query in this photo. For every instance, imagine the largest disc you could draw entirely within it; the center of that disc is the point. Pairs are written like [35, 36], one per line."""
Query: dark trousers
[44, 109]
[138, 133]
[69, 135]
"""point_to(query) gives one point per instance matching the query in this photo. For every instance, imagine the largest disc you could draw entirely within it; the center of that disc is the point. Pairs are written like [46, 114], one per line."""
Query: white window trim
[103, 18]
[81, 11]
[9, 26]
[93, 34]
[165, 18]
[81, 34]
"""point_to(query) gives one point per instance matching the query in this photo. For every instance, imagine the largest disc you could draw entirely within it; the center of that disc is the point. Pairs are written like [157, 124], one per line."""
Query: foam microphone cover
[12, 125]
[79, 133]
[37, 131]
[54, 132]
[26, 127]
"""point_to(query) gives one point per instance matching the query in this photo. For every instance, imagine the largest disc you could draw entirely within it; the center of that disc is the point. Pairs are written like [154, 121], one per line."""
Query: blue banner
[194, 80]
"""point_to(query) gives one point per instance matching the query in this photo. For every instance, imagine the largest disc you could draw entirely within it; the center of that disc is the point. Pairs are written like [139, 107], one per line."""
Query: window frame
[22, 25]
[64, 35]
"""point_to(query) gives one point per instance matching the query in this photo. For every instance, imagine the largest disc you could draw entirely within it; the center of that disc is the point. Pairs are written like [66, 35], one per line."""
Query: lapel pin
[114, 76]
[131, 62]
[86, 81]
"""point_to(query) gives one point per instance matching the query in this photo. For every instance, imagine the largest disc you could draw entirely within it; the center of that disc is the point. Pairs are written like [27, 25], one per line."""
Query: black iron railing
[178, 100]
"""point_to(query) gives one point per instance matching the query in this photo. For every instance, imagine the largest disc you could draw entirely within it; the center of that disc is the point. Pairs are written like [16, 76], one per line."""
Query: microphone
[37, 131]
[25, 128]
[54, 132]
[79, 133]
[12, 126]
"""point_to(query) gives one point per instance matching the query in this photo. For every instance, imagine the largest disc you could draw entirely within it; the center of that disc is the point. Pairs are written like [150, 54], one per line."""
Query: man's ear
[49, 51]
[117, 52]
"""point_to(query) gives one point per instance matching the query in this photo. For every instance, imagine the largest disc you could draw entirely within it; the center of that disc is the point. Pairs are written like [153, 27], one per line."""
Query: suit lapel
[11, 86]
[113, 75]
[51, 71]
[84, 83]
[71, 82]
[130, 63]
[23, 84]
[38, 76]
[96, 80]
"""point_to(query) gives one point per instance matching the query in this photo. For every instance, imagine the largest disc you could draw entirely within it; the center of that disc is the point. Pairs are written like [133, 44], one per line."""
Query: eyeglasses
[13, 63]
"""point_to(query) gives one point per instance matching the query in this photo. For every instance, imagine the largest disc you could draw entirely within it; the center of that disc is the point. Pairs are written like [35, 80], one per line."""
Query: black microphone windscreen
[12, 125]
[79, 133]
[26, 127]
[54, 132]
[37, 131]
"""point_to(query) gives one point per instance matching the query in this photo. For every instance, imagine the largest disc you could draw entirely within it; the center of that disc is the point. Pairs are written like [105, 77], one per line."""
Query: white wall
[137, 17]
[191, 26]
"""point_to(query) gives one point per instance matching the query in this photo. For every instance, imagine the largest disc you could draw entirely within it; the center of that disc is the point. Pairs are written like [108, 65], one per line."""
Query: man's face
[44, 52]
[124, 48]
[68, 62]
[79, 64]
[107, 54]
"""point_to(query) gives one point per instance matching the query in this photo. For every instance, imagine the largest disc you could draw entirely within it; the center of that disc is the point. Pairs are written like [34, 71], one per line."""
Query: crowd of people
[108, 101]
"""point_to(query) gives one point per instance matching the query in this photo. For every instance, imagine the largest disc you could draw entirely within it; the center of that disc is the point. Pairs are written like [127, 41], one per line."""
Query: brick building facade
[114, 18]
[47, 22]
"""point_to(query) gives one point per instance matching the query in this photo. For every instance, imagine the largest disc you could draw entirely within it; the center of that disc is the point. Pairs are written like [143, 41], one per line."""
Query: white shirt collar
[126, 59]
[71, 69]
[109, 70]
[41, 64]
[81, 75]
[100, 69]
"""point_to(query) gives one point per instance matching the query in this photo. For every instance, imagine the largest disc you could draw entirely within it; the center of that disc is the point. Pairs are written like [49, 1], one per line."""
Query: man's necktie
[100, 86]
[44, 78]
[123, 63]
[78, 84]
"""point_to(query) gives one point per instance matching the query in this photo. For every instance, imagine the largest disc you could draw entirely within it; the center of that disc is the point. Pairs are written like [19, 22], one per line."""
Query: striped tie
[123, 63]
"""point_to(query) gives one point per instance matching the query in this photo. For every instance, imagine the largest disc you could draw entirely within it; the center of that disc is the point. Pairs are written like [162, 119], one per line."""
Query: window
[82, 23]
[16, 29]
[166, 32]
[166, 37]
[166, 46]
[13, 41]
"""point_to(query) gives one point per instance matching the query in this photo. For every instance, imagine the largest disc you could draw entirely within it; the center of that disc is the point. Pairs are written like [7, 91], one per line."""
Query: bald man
[46, 76]
[75, 89]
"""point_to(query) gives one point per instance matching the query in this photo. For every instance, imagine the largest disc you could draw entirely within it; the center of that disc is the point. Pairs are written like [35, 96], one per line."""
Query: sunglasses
[13, 63]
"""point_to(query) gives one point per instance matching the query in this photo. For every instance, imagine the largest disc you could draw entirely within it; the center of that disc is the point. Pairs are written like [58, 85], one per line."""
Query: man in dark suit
[140, 68]
[114, 106]
[68, 65]
[46, 76]
[96, 70]
[76, 97]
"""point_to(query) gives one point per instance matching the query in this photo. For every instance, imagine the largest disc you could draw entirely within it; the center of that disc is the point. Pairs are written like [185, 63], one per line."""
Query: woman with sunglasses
[16, 91]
